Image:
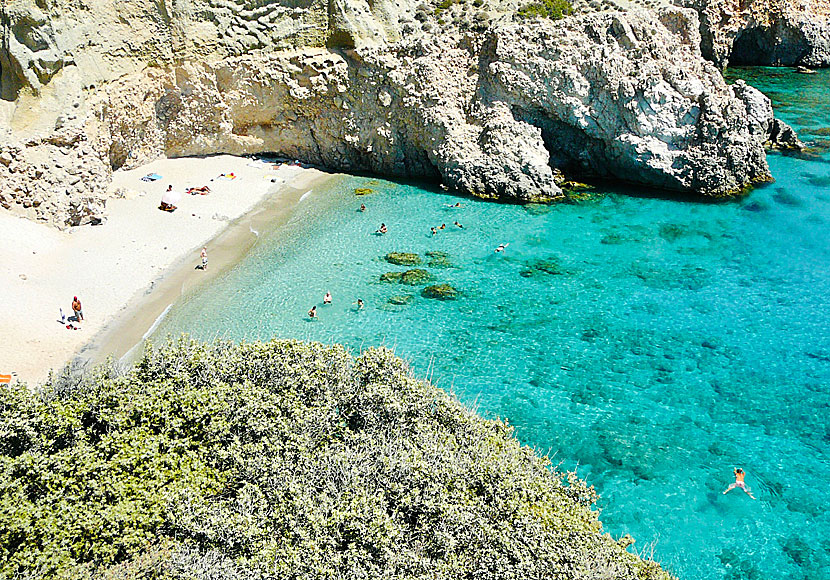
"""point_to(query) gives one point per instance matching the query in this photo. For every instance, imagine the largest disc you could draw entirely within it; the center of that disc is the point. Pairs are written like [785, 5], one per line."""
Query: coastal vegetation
[552, 9]
[281, 460]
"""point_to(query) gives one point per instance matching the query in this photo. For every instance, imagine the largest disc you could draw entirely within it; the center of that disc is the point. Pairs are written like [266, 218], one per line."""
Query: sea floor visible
[652, 344]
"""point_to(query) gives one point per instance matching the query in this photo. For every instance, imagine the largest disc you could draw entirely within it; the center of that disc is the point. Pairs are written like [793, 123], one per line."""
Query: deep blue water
[654, 343]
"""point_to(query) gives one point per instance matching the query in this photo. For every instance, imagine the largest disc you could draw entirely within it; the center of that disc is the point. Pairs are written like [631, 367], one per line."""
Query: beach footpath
[127, 270]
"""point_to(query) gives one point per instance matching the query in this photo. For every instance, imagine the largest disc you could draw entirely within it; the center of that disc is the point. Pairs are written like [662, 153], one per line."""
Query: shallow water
[655, 343]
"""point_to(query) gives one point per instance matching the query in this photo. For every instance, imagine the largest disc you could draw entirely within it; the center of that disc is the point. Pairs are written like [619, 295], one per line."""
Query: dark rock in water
[391, 277]
[798, 550]
[363, 191]
[612, 240]
[414, 277]
[544, 266]
[438, 260]
[671, 232]
[401, 300]
[403, 258]
[755, 206]
[784, 197]
[818, 180]
[440, 292]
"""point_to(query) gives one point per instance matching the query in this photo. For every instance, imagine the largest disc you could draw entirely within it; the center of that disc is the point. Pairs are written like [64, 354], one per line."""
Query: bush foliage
[552, 9]
[281, 460]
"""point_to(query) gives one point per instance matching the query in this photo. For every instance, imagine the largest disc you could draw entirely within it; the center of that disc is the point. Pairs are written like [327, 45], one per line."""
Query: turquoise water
[656, 344]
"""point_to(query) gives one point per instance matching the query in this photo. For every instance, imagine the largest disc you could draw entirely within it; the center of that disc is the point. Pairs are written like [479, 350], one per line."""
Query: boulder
[440, 292]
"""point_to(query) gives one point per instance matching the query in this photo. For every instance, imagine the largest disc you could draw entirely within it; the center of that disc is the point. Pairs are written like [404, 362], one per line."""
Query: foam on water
[655, 343]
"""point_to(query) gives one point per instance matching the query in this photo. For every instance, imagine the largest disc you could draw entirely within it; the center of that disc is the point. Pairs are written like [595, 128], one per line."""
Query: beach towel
[228, 176]
[5, 379]
[151, 177]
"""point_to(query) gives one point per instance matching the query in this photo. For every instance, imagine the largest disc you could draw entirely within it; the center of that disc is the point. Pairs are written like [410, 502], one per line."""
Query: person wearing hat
[77, 309]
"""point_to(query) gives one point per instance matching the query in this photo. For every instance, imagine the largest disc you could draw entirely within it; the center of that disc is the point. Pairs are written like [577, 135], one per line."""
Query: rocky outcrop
[492, 113]
[762, 123]
[765, 32]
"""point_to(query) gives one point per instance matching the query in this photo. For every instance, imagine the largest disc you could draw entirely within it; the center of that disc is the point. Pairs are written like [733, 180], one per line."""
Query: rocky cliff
[490, 106]
[765, 32]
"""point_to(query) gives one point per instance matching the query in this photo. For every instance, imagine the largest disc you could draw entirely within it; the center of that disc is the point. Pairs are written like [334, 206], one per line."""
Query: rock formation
[765, 32]
[490, 109]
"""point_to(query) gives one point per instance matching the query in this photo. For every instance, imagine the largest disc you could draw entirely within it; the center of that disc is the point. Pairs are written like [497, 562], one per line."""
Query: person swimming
[433, 230]
[442, 226]
[327, 298]
[381, 229]
[359, 304]
[457, 204]
[501, 248]
[313, 312]
[362, 207]
[459, 225]
[739, 482]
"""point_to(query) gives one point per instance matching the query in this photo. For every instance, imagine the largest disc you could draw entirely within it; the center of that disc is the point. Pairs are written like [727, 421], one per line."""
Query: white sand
[106, 266]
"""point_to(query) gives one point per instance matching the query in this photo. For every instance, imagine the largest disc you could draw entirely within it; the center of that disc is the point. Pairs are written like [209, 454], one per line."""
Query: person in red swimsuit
[739, 482]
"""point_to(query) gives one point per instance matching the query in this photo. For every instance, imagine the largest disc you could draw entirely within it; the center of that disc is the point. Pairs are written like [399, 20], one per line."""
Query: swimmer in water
[359, 304]
[459, 225]
[433, 230]
[739, 482]
[313, 312]
[327, 298]
[442, 226]
[501, 248]
[457, 204]
[362, 207]
[381, 229]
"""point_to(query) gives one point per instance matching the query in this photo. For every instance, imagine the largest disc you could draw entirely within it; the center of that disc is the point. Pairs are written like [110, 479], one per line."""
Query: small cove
[654, 343]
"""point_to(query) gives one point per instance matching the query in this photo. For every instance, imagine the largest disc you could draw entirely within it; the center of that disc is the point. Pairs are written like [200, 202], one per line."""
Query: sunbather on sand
[204, 190]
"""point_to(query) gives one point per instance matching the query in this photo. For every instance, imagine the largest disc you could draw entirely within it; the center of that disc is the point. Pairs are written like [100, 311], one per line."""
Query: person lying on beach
[739, 482]
[327, 298]
[381, 229]
[459, 225]
[204, 190]
[313, 312]
[501, 248]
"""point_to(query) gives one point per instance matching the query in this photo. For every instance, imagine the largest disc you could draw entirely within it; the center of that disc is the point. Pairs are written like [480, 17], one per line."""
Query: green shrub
[552, 9]
[281, 460]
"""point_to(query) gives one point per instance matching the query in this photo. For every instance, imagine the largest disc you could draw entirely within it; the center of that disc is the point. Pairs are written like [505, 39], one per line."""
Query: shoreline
[128, 270]
[124, 336]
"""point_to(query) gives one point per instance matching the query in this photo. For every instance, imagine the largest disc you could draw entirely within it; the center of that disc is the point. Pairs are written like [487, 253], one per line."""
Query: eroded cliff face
[765, 32]
[490, 111]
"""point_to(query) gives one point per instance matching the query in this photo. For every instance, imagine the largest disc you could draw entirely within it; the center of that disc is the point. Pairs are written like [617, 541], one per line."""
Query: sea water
[651, 343]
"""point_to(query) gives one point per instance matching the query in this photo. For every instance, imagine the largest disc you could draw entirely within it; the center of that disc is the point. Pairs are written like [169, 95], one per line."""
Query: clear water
[667, 342]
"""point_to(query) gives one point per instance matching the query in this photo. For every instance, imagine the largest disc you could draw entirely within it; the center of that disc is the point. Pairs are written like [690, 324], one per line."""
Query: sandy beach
[127, 271]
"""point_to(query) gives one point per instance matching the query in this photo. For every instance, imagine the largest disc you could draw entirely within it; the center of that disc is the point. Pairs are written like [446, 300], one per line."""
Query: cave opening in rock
[751, 47]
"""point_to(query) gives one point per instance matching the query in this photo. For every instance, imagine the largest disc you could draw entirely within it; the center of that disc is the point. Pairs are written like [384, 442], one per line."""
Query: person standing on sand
[203, 254]
[77, 309]
[739, 482]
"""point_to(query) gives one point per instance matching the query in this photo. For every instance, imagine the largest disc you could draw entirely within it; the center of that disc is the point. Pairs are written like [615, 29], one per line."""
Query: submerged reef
[282, 459]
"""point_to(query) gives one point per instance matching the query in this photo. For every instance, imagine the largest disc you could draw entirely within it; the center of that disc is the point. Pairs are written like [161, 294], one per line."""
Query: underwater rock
[363, 191]
[440, 292]
[544, 266]
[403, 258]
[401, 299]
[438, 260]
[391, 277]
[414, 277]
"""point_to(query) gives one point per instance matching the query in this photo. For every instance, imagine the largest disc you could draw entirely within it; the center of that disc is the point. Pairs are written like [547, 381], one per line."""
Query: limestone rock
[765, 32]
[440, 292]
